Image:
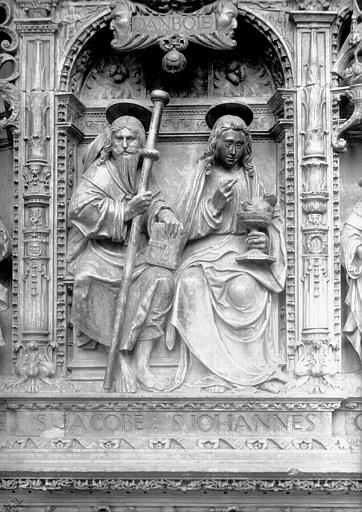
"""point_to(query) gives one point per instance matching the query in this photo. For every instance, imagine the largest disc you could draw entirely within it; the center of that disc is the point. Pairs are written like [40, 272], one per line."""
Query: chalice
[256, 215]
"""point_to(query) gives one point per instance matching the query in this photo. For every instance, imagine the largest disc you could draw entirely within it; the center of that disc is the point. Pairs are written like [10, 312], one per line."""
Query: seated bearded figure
[225, 310]
[101, 210]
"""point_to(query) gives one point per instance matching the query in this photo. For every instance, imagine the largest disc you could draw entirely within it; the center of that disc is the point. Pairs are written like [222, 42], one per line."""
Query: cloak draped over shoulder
[351, 238]
[98, 252]
[226, 311]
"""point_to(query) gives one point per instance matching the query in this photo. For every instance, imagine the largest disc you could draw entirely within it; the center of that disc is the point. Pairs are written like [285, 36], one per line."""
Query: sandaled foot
[216, 389]
[271, 386]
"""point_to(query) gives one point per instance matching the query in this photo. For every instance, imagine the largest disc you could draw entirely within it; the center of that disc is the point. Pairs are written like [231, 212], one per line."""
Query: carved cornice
[37, 26]
[320, 18]
[156, 484]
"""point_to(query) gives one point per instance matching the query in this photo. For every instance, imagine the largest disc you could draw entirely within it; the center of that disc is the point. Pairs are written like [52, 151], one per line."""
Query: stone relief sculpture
[113, 78]
[224, 309]
[351, 246]
[242, 78]
[101, 209]
[5, 249]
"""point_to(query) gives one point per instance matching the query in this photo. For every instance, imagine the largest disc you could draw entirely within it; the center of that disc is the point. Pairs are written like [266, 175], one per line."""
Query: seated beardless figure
[102, 208]
[223, 308]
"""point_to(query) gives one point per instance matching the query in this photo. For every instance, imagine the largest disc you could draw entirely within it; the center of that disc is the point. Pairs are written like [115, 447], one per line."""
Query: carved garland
[212, 484]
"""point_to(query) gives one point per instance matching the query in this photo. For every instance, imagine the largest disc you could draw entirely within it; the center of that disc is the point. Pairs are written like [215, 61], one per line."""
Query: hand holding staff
[159, 99]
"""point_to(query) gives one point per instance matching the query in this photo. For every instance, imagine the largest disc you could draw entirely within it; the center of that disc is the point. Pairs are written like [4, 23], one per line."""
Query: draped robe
[351, 238]
[98, 247]
[224, 310]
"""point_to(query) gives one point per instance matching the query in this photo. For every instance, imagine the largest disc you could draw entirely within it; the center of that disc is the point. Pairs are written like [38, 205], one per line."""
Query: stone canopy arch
[283, 58]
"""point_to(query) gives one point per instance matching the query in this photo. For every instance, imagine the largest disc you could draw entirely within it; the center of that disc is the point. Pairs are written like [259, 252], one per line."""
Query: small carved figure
[102, 208]
[241, 78]
[70, 21]
[224, 310]
[351, 245]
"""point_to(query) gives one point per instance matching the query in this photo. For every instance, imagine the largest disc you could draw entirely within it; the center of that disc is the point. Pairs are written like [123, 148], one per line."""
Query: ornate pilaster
[68, 132]
[317, 347]
[34, 343]
[283, 105]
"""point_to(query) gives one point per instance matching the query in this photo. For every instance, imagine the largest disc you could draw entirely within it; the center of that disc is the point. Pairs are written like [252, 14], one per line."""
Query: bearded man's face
[125, 142]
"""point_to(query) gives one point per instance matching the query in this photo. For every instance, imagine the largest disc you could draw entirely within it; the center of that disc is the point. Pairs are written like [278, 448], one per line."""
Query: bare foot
[147, 379]
[217, 389]
[282, 377]
[127, 379]
[272, 386]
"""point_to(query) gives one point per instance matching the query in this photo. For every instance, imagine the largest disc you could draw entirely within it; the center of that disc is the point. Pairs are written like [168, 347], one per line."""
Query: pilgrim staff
[159, 99]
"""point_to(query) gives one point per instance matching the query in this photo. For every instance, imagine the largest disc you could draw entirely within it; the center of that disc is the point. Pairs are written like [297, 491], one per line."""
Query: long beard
[127, 164]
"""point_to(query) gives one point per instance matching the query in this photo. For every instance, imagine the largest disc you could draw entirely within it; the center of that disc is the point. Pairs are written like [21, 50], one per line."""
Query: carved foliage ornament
[47, 484]
[9, 95]
[314, 5]
[136, 26]
[349, 68]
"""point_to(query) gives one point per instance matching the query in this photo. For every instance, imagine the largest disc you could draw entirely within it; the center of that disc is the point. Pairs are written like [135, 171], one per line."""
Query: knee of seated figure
[191, 277]
[165, 280]
[242, 290]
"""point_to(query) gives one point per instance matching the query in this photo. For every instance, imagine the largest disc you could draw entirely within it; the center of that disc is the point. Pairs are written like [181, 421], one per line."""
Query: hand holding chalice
[257, 214]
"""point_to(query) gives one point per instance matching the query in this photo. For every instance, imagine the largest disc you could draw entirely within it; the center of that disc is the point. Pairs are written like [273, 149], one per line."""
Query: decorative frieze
[184, 485]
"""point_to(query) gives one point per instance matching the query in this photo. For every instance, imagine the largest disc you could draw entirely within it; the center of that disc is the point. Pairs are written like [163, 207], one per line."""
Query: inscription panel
[109, 424]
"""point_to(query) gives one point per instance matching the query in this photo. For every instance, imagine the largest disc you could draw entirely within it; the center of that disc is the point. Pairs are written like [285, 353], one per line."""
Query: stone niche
[252, 73]
[66, 444]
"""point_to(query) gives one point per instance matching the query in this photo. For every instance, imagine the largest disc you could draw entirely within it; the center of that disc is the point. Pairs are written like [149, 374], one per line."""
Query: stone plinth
[158, 436]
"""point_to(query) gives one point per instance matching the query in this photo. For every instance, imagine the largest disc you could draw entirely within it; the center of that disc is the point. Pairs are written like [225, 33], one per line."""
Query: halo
[232, 108]
[121, 108]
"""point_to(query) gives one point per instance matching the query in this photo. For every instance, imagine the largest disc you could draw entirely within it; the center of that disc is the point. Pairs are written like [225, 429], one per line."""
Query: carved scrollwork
[8, 66]
[136, 26]
[11, 98]
[214, 484]
[349, 68]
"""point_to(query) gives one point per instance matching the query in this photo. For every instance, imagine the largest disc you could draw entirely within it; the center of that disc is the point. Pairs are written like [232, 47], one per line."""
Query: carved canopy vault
[295, 63]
